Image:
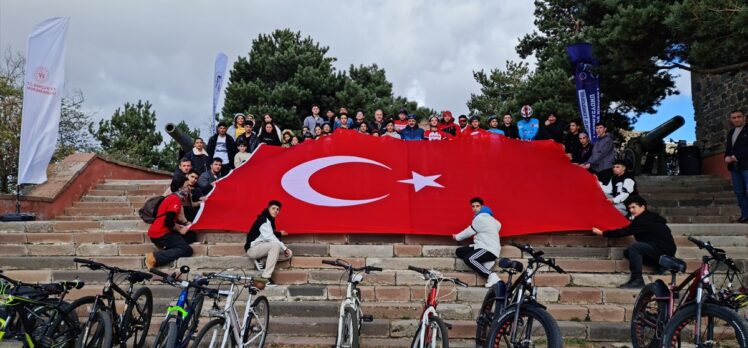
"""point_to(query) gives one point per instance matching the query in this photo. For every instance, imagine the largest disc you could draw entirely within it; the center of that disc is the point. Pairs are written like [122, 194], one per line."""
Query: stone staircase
[104, 226]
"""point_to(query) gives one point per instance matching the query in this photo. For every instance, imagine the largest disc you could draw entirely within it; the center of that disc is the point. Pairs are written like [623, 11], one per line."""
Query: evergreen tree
[73, 133]
[131, 136]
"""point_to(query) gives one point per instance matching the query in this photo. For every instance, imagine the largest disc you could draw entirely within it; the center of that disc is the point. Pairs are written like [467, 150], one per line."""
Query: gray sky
[163, 51]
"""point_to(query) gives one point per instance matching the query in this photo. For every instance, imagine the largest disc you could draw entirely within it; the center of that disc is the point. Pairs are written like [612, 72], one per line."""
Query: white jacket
[486, 231]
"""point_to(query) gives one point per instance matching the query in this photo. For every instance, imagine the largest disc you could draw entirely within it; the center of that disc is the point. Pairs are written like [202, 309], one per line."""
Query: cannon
[651, 147]
[184, 140]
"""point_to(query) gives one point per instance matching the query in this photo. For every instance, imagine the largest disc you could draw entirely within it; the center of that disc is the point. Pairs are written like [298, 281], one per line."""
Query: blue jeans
[739, 182]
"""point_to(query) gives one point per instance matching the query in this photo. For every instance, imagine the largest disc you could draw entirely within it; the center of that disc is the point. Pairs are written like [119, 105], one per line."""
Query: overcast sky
[163, 51]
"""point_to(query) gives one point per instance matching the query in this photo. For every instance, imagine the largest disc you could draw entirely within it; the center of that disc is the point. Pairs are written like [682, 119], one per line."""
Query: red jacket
[436, 135]
[469, 131]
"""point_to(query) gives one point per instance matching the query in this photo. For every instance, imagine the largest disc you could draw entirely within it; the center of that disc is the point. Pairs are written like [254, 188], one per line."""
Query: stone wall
[714, 96]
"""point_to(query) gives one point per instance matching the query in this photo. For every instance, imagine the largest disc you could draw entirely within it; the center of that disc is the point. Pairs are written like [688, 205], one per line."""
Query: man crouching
[485, 248]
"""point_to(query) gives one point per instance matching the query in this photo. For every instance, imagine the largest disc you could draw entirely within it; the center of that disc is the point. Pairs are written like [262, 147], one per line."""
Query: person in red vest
[170, 232]
[473, 128]
[447, 124]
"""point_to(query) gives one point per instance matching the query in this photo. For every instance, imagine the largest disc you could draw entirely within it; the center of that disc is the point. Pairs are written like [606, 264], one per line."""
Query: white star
[419, 181]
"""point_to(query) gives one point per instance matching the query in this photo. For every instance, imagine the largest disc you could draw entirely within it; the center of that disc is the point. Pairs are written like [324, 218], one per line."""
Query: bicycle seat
[672, 264]
[510, 265]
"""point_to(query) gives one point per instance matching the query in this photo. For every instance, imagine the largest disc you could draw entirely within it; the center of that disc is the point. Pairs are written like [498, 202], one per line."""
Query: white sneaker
[492, 279]
[259, 266]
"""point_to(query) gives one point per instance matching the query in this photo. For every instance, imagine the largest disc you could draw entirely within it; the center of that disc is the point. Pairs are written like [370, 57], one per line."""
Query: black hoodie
[254, 231]
[649, 228]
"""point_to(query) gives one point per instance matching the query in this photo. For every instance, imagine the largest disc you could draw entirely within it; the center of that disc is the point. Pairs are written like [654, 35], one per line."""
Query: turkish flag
[355, 183]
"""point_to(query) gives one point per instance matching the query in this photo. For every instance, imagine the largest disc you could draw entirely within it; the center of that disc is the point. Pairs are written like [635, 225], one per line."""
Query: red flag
[354, 183]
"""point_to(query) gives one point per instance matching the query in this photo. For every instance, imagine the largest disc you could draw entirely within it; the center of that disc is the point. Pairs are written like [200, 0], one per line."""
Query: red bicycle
[432, 330]
[691, 313]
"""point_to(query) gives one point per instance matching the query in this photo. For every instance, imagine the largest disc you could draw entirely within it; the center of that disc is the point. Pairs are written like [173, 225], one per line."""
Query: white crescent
[296, 181]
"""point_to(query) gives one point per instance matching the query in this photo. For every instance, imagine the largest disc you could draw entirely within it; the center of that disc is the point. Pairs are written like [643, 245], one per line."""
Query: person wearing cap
[390, 130]
[221, 145]
[473, 128]
[313, 120]
[462, 121]
[528, 127]
[402, 120]
[447, 124]
[620, 186]
[411, 131]
[237, 128]
[434, 133]
[508, 127]
[493, 125]
[653, 239]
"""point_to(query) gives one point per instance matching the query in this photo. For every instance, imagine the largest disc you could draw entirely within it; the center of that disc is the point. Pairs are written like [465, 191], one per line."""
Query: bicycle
[29, 312]
[133, 322]
[657, 319]
[515, 316]
[432, 331]
[251, 331]
[181, 321]
[351, 317]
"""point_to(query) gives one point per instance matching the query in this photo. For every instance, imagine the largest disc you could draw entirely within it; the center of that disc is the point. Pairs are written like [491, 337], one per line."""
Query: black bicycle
[116, 328]
[180, 325]
[510, 315]
[28, 312]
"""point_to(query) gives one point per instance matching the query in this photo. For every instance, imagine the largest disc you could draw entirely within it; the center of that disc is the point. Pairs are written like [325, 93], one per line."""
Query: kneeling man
[653, 239]
[485, 248]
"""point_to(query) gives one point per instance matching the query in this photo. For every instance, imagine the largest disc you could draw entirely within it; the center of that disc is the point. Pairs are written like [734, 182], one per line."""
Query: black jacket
[230, 147]
[649, 228]
[510, 131]
[200, 163]
[269, 138]
[251, 141]
[739, 150]
[553, 132]
[582, 154]
[571, 142]
[254, 231]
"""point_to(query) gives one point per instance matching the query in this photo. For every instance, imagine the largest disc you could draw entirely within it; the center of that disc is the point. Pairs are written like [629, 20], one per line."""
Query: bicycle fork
[425, 324]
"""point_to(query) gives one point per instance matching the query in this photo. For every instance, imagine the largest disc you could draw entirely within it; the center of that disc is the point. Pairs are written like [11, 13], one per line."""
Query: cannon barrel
[651, 140]
[184, 140]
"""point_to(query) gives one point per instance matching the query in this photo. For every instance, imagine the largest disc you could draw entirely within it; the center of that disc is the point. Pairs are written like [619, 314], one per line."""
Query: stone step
[163, 183]
[99, 211]
[132, 186]
[102, 204]
[97, 217]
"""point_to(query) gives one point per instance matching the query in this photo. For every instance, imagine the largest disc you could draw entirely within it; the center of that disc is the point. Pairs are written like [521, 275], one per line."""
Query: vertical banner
[42, 99]
[588, 85]
[218, 75]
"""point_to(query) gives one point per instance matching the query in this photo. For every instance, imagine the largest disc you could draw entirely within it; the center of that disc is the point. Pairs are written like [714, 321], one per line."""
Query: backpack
[149, 212]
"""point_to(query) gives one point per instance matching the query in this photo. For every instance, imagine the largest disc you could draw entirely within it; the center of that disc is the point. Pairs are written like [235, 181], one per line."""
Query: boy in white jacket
[485, 248]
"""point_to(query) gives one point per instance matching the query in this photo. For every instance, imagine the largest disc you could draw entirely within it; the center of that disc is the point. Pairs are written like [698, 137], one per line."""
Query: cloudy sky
[163, 51]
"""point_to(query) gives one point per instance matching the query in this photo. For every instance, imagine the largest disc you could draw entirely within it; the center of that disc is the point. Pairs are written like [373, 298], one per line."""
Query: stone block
[342, 251]
[402, 263]
[124, 237]
[51, 249]
[97, 250]
[606, 313]
[580, 295]
[568, 312]
[405, 250]
[392, 293]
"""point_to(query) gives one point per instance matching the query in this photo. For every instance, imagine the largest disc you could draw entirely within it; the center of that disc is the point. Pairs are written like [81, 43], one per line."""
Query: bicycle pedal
[367, 318]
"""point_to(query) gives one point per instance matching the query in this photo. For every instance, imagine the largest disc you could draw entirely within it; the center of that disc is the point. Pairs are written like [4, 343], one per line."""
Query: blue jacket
[496, 131]
[412, 133]
[528, 128]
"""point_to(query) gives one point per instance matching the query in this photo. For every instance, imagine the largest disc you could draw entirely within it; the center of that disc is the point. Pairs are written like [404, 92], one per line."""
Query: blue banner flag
[588, 85]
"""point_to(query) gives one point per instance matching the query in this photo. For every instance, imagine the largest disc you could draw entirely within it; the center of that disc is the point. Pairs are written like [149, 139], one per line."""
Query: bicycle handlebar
[348, 266]
[428, 274]
[537, 256]
[137, 276]
[716, 253]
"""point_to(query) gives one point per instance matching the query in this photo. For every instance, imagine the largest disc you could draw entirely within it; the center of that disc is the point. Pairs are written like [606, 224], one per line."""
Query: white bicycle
[226, 328]
[351, 317]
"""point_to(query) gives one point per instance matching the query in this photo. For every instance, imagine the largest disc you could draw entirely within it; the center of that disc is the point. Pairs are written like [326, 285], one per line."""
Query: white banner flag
[42, 99]
[218, 76]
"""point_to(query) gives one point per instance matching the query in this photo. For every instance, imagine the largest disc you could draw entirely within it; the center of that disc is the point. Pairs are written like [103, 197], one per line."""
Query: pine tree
[131, 136]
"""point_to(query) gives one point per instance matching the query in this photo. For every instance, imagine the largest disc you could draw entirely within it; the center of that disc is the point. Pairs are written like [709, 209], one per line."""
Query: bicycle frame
[185, 309]
[429, 309]
[351, 299]
[110, 287]
[232, 319]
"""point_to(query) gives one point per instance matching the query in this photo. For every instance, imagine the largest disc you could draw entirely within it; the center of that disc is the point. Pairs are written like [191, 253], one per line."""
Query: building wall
[714, 96]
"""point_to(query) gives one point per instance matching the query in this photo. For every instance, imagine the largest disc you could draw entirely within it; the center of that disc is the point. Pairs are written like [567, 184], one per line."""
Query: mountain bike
[30, 310]
[133, 323]
[181, 321]
[658, 321]
[351, 317]
[227, 328]
[432, 331]
[516, 318]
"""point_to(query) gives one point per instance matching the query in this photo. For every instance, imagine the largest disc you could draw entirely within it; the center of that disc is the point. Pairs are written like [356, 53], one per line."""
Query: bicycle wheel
[211, 335]
[166, 337]
[436, 335]
[720, 327]
[137, 319]
[256, 329]
[348, 329]
[96, 332]
[485, 317]
[54, 326]
[648, 319]
[535, 328]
